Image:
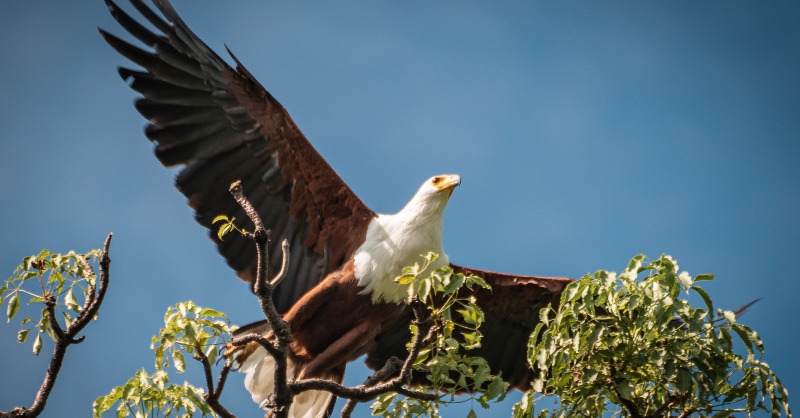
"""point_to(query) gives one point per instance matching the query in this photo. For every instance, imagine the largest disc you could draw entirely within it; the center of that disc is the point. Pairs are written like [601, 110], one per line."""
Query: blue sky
[584, 133]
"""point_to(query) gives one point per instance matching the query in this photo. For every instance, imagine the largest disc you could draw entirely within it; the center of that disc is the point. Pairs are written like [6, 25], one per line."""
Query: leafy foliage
[615, 346]
[188, 330]
[442, 359]
[60, 280]
[191, 329]
[635, 348]
[144, 395]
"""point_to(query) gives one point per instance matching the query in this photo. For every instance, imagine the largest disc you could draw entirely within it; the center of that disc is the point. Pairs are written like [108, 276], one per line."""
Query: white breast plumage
[390, 245]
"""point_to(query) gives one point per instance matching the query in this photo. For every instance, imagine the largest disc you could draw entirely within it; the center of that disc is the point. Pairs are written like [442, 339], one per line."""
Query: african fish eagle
[339, 298]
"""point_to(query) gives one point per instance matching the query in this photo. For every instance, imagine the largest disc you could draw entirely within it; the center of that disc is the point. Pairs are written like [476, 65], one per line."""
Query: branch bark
[213, 394]
[263, 289]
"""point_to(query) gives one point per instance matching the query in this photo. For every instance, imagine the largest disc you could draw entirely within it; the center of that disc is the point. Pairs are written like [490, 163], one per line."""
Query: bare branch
[238, 195]
[96, 296]
[284, 264]
[263, 289]
[212, 394]
[223, 377]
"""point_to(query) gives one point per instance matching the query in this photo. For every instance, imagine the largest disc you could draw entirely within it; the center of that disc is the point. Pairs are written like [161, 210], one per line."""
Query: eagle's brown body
[334, 323]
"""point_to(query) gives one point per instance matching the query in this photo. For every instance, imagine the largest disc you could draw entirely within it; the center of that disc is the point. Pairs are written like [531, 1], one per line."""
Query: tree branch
[212, 394]
[66, 338]
[264, 288]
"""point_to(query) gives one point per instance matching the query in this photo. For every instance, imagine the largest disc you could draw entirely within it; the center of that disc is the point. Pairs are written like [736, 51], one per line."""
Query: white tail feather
[259, 370]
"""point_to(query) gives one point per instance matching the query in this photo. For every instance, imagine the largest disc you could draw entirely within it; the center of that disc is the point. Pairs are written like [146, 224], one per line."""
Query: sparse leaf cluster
[226, 226]
[191, 329]
[52, 280]
[200, 333]
[630, 347]
[146, 395]
[59, 277]
[443, 358]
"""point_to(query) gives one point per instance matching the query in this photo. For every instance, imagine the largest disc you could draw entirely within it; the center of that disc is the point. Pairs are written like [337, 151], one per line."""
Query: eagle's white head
[396, 241]
[431, 198]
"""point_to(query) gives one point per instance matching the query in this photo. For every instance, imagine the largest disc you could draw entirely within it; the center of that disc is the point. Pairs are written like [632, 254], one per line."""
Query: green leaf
[476, 281]
[625, 390]
[70, 302]
[37, 344]
[224, 230]
[706, 298]
[496, 388]
[67, 319]
[472, 414]
[212, 312]
[481, 374]
[178, 360]
[703, 277]
[22, 335]
[219, 218]
[405, 279]
[684, 382]
[424, 290]
[456, 281]
[13, 306]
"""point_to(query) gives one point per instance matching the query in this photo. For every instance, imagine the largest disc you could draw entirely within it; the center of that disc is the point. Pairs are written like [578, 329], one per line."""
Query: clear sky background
[584, 133]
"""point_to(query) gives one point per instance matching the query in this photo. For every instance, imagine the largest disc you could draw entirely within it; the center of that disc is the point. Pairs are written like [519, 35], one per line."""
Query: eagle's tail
[259, 369]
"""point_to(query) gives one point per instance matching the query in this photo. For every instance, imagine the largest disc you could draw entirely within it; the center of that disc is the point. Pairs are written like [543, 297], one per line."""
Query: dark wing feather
[511, 311]
[221, 125]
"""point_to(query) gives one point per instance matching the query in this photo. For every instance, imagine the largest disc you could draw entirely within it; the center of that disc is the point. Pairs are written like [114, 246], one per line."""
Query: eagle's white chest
[394, 242]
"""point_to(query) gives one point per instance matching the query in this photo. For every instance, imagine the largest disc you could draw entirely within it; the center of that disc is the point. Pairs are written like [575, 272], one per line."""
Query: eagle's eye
[437, 180]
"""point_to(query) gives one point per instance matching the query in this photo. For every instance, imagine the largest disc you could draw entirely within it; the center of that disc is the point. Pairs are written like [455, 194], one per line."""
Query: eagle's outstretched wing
[220, 125]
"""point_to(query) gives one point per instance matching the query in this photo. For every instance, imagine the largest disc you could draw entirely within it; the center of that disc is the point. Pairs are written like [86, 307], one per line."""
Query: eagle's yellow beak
[447, 181]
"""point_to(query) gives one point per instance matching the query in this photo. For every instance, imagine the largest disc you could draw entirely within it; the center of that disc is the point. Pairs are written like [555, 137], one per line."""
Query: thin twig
[223, 377]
